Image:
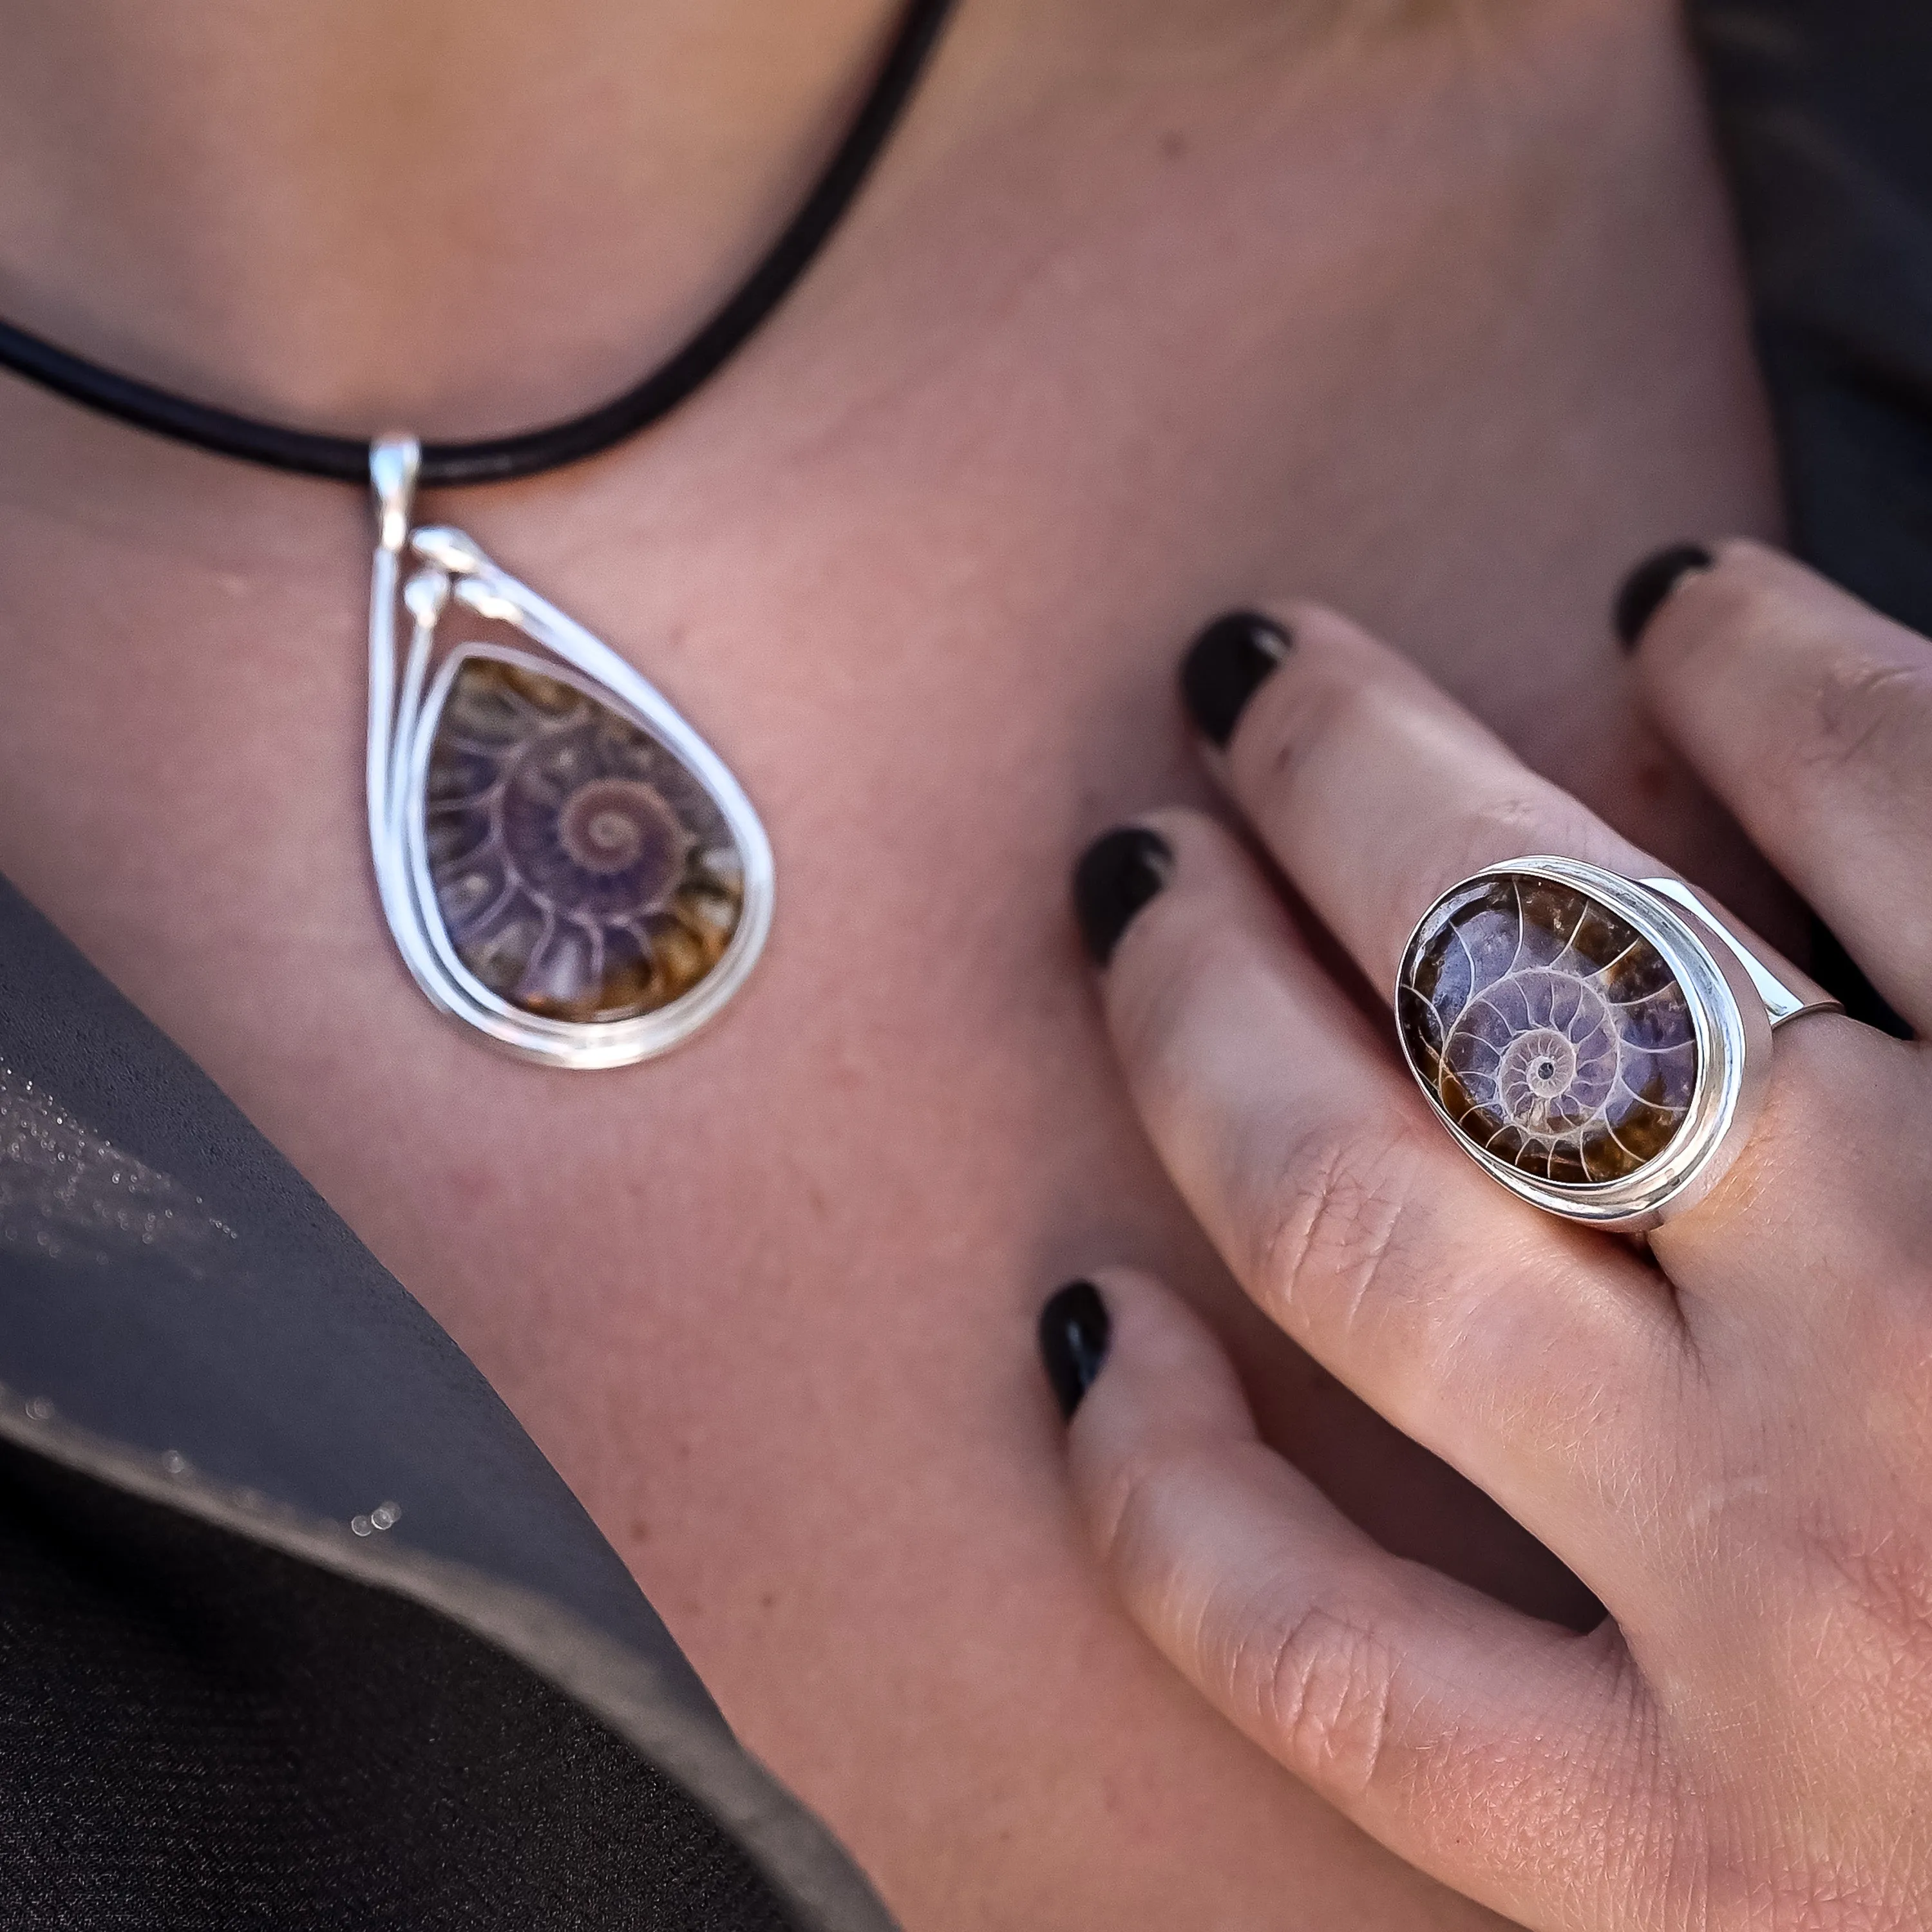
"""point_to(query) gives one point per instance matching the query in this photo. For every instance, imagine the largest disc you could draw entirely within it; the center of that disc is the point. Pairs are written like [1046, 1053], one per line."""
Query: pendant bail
[395, 458]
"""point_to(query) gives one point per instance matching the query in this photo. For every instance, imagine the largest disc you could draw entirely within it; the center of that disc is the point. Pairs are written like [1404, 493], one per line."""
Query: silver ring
[1600, 1045]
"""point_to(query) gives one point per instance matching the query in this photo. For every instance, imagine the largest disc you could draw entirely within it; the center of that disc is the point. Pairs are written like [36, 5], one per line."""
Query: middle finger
[1376, 791]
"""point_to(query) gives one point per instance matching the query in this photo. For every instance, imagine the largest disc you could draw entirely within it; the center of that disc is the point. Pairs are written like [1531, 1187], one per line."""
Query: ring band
[1599, 1044]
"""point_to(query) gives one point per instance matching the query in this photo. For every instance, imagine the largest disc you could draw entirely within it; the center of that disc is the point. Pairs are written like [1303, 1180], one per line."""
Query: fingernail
[1226, 666]
[1075, 1329]
[1116, 875]
[1650, 583]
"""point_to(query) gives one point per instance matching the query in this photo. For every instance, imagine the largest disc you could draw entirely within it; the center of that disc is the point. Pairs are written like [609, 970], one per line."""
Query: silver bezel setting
[1731, 1025]
[405, 703]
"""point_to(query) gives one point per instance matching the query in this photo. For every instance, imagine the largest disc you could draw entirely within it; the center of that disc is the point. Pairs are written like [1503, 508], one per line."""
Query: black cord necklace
[565, 864]
[529, 452]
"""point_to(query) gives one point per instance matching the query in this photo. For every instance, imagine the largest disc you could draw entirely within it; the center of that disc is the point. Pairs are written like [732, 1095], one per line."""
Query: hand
[1729, 1441]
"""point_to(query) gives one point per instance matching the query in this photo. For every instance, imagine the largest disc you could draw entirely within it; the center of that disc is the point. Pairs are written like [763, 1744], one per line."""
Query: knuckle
[1137, 1497]
[1318, 1684]
[1150, 1502]
[1858, 714]
[1336, 1246]
[1328, 1693]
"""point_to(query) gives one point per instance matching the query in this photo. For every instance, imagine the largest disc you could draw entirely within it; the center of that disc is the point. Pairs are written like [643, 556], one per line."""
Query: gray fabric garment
[256, 1506]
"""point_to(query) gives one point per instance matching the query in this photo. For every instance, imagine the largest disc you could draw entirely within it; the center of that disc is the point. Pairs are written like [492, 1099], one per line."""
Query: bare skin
[1428, 310]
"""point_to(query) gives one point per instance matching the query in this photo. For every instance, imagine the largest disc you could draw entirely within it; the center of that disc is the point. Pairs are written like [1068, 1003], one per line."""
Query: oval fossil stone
[581, 872]
[1552, 1032]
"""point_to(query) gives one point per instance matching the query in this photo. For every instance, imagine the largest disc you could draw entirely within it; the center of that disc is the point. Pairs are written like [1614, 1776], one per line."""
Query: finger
[1495, 1752]
[1538, 1360]
[1810, 715]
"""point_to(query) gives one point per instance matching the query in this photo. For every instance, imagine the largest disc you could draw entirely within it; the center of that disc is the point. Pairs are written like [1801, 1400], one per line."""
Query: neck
[466, 216]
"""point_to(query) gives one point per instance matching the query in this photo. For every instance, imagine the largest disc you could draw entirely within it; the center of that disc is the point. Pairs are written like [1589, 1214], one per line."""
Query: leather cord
[526, 452]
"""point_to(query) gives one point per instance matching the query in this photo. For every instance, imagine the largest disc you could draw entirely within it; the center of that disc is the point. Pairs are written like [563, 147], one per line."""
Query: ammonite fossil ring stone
[1552, 1033]
[581, 872]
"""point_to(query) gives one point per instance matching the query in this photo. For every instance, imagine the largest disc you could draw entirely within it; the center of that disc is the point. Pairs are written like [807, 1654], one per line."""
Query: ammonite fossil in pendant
[566, 866]
[581, 872]
[1551, 1032]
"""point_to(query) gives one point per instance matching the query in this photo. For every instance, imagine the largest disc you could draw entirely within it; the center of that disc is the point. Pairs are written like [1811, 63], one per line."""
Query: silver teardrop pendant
[565, 864]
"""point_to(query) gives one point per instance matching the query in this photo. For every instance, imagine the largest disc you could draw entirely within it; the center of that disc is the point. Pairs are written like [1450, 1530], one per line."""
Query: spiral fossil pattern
[581, 872]
[1553, 1033]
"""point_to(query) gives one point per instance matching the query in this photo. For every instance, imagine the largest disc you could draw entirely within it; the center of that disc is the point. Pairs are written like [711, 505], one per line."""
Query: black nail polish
[1075, 1329]
[1224, 668]
[1650, 583]
[1116, 875]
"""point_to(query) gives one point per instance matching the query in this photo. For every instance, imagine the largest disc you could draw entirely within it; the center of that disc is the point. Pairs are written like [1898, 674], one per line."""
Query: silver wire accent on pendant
[565, 864]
